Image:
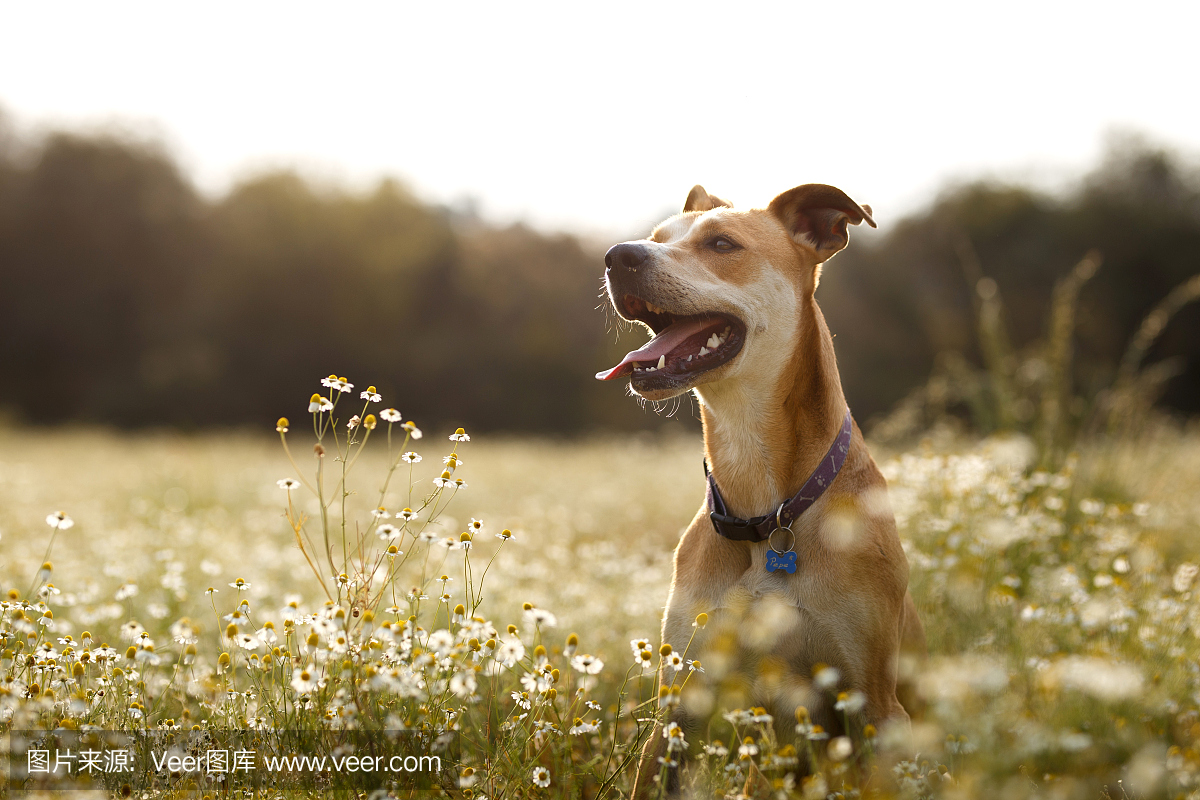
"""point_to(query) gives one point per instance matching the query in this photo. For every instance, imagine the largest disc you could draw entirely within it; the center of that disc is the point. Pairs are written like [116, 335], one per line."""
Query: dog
[796, 539]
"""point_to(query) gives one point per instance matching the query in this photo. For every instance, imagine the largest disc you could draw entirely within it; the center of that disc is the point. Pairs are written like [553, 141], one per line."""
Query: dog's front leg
[644, 784]
[665, 762]
[662, 770]
[874, 667]
[705, 568]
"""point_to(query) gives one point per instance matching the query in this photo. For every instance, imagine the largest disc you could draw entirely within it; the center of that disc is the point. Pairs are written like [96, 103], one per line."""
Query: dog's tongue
[671, 337]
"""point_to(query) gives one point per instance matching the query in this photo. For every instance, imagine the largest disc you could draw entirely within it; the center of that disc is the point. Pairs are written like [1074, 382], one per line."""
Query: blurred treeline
[126, 297]
[917, 299]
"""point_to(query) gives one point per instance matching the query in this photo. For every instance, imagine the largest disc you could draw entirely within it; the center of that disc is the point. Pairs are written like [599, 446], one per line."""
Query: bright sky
[600, 117]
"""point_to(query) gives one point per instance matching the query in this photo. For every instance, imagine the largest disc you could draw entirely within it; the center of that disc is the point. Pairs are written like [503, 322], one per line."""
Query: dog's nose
[626, 256]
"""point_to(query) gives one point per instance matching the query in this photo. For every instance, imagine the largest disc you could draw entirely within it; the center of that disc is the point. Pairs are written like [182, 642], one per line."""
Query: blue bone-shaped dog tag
[781, 562]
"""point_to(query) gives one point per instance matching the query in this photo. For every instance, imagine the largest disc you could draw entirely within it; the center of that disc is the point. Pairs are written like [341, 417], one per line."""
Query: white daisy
[540, 777]
[510, 651]
[582, 727]
[535, 682]
[337, 384]
[540, 617]
[305, 680]
[587, 664]
[463, 684]
[59, 521]
[673, 733]
[389, 415]
[826, 677]
[850, 702]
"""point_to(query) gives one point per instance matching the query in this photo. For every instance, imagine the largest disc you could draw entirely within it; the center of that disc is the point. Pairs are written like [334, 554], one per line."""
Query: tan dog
[729, 297]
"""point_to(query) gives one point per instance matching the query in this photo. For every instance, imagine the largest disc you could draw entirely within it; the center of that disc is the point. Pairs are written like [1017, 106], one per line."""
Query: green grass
[1063, 639]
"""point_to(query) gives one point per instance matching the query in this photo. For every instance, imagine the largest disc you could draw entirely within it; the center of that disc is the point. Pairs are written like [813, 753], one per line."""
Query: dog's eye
[723, 244]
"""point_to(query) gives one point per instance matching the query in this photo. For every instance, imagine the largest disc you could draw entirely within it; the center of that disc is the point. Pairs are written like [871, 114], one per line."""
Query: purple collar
[759, 529]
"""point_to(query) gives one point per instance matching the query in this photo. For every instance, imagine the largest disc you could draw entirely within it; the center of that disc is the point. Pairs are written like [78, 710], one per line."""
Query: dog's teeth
[689, 358]
[726, 331]
[662, 362]
[703, 351]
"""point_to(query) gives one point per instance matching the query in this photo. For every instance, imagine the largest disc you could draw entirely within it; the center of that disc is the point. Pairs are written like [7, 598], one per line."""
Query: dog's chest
[757, 583]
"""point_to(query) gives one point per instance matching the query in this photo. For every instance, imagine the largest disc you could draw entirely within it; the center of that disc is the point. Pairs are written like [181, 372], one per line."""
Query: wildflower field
[500, 599]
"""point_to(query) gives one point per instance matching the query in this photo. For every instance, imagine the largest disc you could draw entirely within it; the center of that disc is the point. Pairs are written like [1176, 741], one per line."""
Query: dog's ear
[816, 216]
[700, 200]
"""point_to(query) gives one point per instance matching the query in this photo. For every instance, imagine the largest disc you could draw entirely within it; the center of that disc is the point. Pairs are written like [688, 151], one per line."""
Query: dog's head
[723, 291]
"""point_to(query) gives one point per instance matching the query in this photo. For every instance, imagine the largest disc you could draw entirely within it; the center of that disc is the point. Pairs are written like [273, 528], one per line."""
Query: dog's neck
[763, 442]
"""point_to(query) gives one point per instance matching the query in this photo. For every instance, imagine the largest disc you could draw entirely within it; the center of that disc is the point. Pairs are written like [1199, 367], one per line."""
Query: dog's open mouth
[682, 346]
